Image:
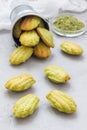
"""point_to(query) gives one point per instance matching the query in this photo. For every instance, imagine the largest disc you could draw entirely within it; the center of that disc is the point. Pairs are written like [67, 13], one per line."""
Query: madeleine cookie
[71, 48]
[17, 29]
[29, 38]
[61, 101]
[41, 50]
[56, 74]
[20, 55]
[20, 83]
[30, 23]
[46, 36]
[25, 106]
[41, 24]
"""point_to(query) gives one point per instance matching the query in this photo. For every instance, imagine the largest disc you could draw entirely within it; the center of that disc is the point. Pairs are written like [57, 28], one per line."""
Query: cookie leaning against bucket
[30, 23]
[29, 38]
[46, 36]
[41, 50]
[20, 55]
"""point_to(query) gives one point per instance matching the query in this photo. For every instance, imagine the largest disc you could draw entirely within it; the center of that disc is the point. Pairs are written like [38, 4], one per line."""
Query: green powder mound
[68, 23]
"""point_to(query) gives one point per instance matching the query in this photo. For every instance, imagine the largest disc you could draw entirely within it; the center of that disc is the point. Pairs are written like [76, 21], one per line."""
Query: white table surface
[45, 117]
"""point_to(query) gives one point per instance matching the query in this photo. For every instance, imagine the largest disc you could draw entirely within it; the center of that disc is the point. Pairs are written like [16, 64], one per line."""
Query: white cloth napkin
[48, 8]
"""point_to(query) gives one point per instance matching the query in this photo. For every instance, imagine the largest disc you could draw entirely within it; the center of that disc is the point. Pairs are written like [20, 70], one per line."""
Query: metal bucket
[22, 11]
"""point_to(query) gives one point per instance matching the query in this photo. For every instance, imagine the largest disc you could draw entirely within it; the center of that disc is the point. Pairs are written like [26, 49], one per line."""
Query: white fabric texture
[48, 8]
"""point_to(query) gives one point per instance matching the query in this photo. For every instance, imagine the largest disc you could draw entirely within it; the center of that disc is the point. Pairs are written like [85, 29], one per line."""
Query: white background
[45, 117]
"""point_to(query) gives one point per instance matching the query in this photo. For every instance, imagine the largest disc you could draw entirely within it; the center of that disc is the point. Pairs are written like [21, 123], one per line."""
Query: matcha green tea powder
[68, 23]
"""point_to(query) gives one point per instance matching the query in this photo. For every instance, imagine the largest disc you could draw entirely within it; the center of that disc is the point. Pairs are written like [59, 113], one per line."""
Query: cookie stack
[34, 38]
